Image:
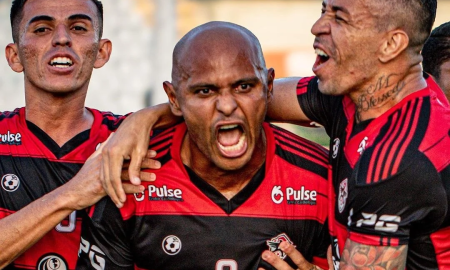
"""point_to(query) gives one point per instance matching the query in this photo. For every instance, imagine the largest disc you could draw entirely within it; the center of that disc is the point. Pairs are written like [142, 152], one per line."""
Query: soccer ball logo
[10, 182]
[171, 245]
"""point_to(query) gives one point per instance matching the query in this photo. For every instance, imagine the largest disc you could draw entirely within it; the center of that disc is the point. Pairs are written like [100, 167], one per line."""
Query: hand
[130, 142]
[294, 254]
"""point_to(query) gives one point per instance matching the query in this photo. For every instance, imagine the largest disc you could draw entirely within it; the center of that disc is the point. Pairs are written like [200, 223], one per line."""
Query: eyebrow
[50, 19]
[253, 80]
[335, 8]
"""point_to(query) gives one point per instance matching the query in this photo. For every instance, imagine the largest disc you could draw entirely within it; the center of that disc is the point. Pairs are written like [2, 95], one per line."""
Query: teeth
[235, 147]
[320, 53]
[228, 126]
[61, 61]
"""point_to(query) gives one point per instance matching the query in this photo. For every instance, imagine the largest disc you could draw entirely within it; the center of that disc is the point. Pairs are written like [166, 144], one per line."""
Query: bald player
[230, 185]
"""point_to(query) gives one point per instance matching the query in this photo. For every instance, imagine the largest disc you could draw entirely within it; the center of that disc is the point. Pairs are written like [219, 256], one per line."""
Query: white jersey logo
[171, 245]
[10, 182]
[336, 144]
[363, 145]
[52, 262]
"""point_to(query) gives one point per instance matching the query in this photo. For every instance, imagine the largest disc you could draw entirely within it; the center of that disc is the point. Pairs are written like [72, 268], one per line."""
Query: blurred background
[144, 32]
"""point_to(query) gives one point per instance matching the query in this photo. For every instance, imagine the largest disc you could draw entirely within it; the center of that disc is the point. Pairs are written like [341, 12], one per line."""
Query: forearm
[284, 106]
[358, 256]
[157, 117]
[21, 230]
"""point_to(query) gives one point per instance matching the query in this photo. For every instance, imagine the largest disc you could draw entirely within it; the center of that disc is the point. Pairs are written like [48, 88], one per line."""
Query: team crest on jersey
[171, 245]
[343, 194]
[274, 244]
[336, 144]
[52, 262]
[10, 182]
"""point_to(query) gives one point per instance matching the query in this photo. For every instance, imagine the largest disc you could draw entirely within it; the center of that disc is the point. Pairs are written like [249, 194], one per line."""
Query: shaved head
[209, 42]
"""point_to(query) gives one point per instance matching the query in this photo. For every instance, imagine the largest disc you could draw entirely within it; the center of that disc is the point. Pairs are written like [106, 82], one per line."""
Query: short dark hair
[16, 16]
[436, 50]
[416, 17]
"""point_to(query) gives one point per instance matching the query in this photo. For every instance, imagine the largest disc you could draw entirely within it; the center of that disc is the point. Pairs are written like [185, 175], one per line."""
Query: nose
[61, 36]
[226, 103]
[321, 26]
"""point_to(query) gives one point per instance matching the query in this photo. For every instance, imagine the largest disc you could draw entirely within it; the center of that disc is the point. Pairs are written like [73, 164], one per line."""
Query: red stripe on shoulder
[389, 153]
[161, 143]
[302, 85]
[300, 146]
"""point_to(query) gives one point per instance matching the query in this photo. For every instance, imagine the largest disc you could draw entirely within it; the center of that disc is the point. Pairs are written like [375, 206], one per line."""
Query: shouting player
[230, 186]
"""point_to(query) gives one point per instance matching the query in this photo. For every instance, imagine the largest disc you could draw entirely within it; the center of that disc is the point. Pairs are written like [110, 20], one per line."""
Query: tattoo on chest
[376, 95]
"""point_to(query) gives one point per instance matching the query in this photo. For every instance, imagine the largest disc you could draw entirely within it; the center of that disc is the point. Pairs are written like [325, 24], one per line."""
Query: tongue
[229, 137]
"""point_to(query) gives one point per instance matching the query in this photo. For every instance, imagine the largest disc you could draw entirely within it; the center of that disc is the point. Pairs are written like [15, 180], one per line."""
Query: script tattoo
[376, 95]
[359, 256]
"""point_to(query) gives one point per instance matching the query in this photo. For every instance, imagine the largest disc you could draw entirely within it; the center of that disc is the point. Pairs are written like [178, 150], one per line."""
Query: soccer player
[230, 185]
[436, 56]
[44, 144]
[389, 128]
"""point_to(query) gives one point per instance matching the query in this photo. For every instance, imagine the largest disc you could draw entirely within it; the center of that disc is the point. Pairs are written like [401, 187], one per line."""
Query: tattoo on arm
[359, 256]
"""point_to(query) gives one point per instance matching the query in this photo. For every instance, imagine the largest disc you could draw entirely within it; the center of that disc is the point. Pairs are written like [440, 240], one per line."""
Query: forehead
[349, 6]
[221, 61]
[59, 10]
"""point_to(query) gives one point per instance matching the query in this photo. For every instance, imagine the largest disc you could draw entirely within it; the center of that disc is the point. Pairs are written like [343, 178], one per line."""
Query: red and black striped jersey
[390, 175]
[182, 222]
[32, 165]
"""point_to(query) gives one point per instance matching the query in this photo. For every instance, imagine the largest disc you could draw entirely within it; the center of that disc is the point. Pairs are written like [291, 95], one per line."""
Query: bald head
[207, 44]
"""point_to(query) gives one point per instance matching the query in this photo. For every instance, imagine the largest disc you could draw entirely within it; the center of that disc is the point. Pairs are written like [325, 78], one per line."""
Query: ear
[270, 79]
[104, 53]
[171, 94]
[12, 56]
[396, 42]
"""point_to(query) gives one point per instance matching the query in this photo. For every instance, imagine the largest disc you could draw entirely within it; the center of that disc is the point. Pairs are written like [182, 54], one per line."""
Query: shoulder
[299, 151]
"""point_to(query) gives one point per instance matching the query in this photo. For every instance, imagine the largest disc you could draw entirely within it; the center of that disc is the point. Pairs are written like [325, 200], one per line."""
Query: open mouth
[231, 140]
[322, 56]
[61, 62]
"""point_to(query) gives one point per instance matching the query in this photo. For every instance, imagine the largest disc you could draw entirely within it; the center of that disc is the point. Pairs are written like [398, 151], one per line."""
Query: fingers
[275, 261]
[131, 189]
[145, 176]
[330, 258]
[294, 254]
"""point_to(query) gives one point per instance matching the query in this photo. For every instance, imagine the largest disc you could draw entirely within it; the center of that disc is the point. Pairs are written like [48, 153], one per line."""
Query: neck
[60, 116]
[385, 91]
[227, 182]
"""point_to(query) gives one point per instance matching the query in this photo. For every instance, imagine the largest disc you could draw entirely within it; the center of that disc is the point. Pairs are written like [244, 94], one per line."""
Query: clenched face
[222, 92]
[346, 45]
[58, 44]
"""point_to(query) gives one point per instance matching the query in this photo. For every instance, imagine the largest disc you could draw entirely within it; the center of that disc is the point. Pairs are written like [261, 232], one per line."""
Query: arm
[284, 106]
[22, 229]
[359, 256]
[130, 142]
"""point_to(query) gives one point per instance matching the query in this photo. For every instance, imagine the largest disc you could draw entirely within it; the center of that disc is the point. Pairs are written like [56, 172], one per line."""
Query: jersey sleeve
[104, 240]
[384, 213]
[317, 107]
